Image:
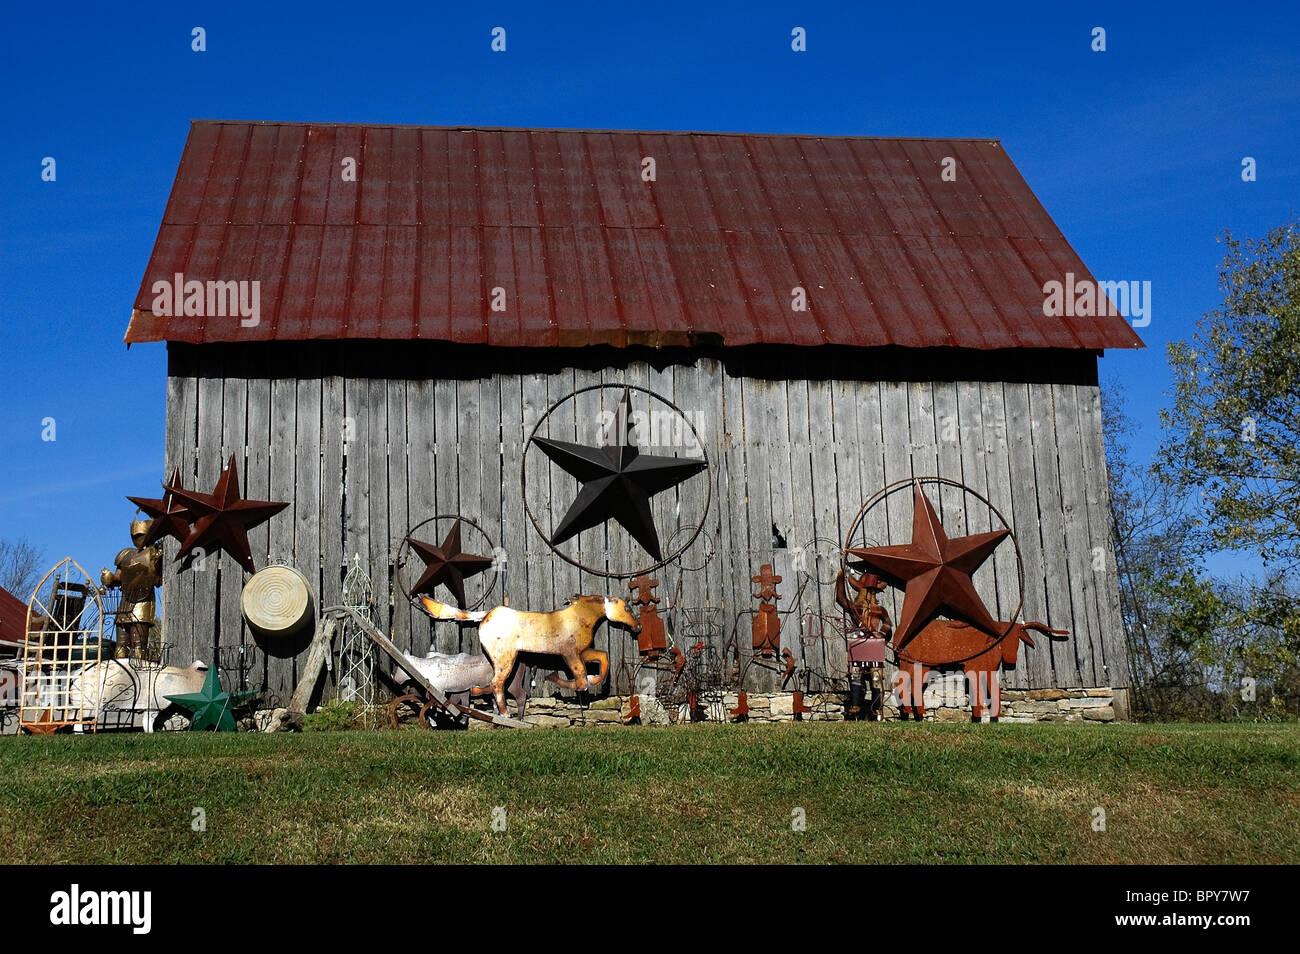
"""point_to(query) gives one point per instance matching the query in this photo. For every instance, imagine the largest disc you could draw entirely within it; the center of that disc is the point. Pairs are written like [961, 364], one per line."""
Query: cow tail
[1047, 630]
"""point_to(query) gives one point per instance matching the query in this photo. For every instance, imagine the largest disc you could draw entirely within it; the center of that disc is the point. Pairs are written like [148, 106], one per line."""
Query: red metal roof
[589, 253]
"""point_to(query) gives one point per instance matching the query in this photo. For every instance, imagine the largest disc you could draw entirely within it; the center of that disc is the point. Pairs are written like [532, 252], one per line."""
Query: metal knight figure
[138, 573]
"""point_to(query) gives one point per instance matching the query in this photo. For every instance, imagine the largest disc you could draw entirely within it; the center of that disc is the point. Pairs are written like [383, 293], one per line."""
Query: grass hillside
[891, 793]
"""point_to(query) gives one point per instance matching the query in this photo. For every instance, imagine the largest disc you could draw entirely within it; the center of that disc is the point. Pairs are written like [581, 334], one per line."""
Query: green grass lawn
[871, 793]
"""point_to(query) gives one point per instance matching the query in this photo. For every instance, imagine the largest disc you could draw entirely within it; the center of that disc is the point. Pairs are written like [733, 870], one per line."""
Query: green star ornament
[212, 708]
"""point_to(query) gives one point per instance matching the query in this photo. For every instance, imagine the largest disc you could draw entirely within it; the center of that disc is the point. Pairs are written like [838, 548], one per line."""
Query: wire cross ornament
[357, 661]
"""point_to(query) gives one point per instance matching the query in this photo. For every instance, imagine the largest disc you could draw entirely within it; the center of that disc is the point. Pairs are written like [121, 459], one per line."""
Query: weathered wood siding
[366, 441]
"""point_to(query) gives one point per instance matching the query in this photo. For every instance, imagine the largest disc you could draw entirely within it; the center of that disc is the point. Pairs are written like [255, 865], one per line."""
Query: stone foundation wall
[945, 701]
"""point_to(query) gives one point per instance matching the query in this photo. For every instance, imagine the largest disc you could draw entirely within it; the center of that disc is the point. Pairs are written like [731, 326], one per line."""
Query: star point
[168, 516]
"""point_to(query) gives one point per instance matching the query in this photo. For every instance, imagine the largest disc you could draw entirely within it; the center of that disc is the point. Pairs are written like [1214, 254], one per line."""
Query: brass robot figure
[138, 572]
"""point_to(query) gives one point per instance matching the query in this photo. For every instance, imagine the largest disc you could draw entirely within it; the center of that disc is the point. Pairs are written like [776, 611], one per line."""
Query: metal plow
[434, 699]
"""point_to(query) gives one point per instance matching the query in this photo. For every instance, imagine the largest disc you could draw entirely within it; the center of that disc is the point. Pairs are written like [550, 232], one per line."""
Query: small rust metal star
[168, 516]
[223, 517]
[447, 565]
[44, 724]
[934, 571]
[618, 482]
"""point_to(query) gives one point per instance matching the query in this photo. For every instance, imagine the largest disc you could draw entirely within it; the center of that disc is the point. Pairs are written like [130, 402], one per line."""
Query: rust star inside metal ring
[934, 570]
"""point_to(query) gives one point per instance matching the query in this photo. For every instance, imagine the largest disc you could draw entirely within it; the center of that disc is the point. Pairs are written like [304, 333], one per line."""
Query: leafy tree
[1232, 455]
[1234, 429]
[1156, 545]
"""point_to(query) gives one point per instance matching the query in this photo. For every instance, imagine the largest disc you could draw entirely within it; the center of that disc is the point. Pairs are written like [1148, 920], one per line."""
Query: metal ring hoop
[810, 548]
[710, 548]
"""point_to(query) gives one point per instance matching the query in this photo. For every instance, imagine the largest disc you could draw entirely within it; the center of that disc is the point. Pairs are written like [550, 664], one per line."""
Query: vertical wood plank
[823, 488]
[469, 502]
[1080, 538]
[256, 469]
[421, 501]
[517, 534]
[802, 503]
[181, 453]
[398, 522]
[1060, 600]
[375, 396]
[258, 478]
[849, 493]
[207, 568]
[734, 550]
[284, 414]
[758, 494]
[563, 487]
[307, 481]
[1114, 671]
[896, 438]
[712, 424]
[967, 406]
[1039, 605]
[333, 559]
[950, 501]
[681, 589]
[540, 592]
[991, 441]
[493, 483]
[234, 401]
[356, 475]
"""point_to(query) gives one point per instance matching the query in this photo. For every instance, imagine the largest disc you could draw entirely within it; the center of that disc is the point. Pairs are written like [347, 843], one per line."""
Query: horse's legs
[574, 662]
[519, 689]
[562, 683]
[597, 656]
[501, 669]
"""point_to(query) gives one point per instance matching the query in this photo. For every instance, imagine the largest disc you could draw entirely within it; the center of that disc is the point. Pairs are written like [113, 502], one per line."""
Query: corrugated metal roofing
[589, 253]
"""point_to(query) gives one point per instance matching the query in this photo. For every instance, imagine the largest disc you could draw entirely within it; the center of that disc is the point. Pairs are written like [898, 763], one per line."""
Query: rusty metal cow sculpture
[504, 633]
[943, 643]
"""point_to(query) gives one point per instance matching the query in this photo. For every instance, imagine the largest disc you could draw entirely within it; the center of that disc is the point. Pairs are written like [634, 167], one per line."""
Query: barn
[815, 317]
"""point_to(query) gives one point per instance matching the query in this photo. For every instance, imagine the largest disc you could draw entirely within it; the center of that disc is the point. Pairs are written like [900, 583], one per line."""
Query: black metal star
[169, 517]
[447, 565]
[618, 482]
[223, 517]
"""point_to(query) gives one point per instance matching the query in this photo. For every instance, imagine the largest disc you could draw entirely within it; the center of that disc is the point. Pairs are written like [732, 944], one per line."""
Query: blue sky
[1136, 152]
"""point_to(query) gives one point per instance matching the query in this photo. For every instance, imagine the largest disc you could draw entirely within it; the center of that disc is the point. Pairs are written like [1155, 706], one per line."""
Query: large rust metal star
[223, 517]
[618, 482]
[447, 565]
[935, 572]
[168, 516]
